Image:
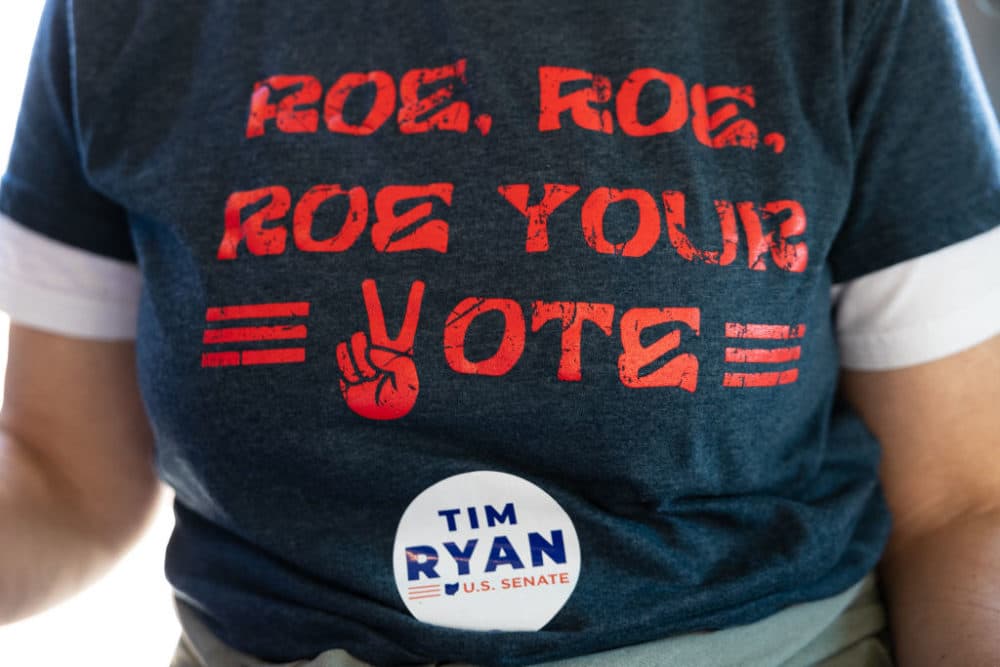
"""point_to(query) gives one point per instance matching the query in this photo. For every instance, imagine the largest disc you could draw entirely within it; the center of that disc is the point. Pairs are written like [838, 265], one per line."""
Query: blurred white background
[982, 17]
[126, 619]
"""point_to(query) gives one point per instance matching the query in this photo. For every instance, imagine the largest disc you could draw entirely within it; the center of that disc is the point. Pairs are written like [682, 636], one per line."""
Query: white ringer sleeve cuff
[922, 309]
[57, 288]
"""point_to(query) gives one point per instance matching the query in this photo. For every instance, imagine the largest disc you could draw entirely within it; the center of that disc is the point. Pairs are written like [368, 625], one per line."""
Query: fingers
[353, 360]
[359, 348]
[346, 365]
[408, 332]
[376, 316]
[376, 382]
[359, 361]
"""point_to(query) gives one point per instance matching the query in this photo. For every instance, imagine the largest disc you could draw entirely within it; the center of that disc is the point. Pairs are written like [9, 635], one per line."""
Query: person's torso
[496, 317]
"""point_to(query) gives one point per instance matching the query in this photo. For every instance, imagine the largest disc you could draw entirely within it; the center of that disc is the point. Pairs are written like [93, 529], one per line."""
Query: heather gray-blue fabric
[656, 354]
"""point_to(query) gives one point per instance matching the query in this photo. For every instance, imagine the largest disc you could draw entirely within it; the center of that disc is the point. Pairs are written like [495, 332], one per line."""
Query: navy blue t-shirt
[501, 332]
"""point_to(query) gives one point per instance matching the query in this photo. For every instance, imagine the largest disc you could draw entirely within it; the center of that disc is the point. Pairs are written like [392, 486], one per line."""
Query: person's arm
[77, 483]
[939, 427]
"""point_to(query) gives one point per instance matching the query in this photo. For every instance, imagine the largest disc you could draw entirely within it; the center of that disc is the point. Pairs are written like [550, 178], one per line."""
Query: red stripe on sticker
[260, 310]
[218, 359]
[760, 379]
[289, 355]
[764, 331]
[737, 355]
[423, 597]
[243, 334]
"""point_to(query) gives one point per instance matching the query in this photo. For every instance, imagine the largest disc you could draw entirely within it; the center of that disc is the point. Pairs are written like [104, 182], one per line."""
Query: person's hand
[379, 378]
[378, 382]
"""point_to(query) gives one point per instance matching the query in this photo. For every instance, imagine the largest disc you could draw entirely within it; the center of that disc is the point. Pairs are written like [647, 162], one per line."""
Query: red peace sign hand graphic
[379, 379]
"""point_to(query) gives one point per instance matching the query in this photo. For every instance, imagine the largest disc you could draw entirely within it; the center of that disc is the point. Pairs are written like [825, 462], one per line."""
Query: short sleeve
[67, 263]
[45, 188]
[907, 314]
[926, 144]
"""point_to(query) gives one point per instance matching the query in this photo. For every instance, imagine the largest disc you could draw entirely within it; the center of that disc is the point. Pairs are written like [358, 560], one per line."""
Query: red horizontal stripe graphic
[242, 334]
[424, 597]
[289, 355]
[760, 379]
[260, 310]
[755, 356]
[217, 359]
[764, 331]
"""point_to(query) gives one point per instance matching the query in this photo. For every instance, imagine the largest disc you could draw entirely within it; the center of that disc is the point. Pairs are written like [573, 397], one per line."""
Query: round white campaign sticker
[485, 551]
